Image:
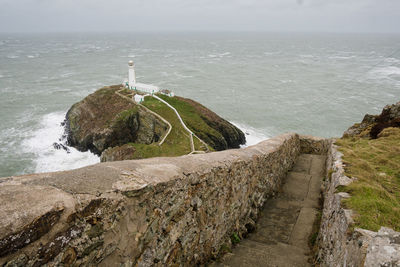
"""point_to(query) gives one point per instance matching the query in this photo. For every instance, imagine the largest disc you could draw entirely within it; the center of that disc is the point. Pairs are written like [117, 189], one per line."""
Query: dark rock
[372, 125]
[50, 250]
[390, 117]
[20, 261]
[232, 137]
[61, 146]
[104, 120]
[92, 247]
[30, 232]
[69, 257]
[124, 152]
[95, 231]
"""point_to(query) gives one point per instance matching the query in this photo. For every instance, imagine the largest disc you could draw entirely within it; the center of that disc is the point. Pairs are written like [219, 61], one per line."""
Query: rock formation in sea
[115, 128]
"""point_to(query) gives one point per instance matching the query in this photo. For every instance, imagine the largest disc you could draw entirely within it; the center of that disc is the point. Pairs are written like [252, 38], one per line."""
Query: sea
[265, 83]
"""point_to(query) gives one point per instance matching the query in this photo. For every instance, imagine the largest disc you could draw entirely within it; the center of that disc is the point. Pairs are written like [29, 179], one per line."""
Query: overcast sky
[200, 15]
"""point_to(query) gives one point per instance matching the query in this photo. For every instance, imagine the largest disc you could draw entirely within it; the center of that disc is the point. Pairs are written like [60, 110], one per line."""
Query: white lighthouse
[131, 75]
[139, 87]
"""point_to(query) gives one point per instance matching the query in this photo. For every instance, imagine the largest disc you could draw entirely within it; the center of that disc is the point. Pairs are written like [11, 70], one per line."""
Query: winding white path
[152, 112]
[191, 134]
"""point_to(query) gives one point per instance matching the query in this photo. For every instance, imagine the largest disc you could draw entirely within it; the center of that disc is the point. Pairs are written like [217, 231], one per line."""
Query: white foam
[47, 158]
[220, 55]
[307, 56]
[177, 74]
[342, 57]
[392, 60]
[12, 56]
[253, 135]
[7, 143]
[225, 54]
[67, 74]
[386, 72]
[286, 81]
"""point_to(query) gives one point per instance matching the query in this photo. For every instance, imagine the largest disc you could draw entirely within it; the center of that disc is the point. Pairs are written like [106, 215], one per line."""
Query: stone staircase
[285, 223]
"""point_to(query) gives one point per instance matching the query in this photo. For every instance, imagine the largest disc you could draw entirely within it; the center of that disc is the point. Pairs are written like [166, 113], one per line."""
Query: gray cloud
[188, 15]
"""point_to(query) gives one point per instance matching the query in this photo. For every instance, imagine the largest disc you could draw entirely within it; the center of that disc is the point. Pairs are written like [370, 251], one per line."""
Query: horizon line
[197, 31]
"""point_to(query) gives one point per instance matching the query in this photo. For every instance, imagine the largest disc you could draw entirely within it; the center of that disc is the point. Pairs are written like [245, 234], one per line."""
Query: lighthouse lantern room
[131, 75]
[140, 87]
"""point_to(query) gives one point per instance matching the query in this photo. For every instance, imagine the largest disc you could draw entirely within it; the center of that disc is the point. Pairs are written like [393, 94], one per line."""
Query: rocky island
[110, 124]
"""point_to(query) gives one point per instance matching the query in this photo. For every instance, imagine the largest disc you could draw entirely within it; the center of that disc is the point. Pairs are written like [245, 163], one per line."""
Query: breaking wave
[253, 135]
[41, 141]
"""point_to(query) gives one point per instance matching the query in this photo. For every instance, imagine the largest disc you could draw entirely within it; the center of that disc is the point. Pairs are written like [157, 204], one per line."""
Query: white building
[142, 87]
[139, 98]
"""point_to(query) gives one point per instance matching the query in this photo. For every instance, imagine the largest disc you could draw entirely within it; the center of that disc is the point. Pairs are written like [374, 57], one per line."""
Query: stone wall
[314, 145]
[337, 245]
[160, 211]
[340, 244]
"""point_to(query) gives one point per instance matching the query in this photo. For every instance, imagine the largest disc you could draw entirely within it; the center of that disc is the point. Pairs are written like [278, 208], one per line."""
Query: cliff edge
[372, 125]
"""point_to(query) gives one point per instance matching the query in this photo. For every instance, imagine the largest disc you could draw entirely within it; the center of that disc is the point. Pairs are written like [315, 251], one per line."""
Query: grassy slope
[375, 195]
[177, 142]
[192, 118]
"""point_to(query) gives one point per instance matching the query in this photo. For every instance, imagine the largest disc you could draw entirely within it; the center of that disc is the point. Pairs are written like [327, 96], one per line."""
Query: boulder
[372, 125]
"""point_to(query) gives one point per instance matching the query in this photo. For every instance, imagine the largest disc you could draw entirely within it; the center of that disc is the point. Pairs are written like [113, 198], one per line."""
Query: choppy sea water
[265, 83]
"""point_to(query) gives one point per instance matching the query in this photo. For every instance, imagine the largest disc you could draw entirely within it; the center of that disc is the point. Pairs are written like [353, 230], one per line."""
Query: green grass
[192, 118]
[176, 144]
[198, 146]
[235, 238]
[375, 194]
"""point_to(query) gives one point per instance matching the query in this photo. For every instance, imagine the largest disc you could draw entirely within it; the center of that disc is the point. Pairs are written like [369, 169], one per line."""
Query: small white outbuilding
[139, 98]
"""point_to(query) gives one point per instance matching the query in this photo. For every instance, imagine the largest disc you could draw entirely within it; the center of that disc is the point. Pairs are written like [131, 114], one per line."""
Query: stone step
[276, 224]
[250, 253]
[303, 163]
[286, 203]
[296, 186]
[318, 165]
[317, 172]
[303, 227]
